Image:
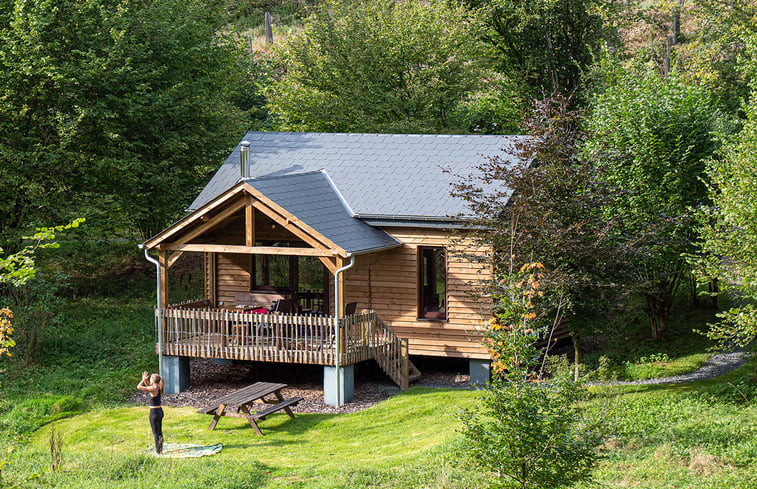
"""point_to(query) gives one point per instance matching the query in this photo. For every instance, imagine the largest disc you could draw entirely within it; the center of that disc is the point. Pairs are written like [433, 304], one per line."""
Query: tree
[18, 268]
[111, 109]
[651, 137]
[555, 213]
[729, 234]
[528, 431]
[545, 45]
[377, 66]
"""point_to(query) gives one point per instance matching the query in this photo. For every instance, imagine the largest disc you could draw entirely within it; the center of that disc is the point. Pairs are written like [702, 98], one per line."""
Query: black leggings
[156, 423]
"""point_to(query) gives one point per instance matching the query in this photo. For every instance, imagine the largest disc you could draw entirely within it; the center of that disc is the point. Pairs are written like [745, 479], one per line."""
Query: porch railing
[218, 333]
[287, 338]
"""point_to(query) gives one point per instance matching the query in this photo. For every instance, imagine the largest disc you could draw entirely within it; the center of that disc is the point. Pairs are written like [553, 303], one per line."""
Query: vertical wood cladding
[387, 282]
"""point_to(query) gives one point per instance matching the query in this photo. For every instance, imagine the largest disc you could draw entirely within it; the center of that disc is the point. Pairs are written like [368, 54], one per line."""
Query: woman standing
[154, 385]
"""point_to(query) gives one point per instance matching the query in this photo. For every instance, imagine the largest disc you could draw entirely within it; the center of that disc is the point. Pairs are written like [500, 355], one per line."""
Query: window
[432, 283]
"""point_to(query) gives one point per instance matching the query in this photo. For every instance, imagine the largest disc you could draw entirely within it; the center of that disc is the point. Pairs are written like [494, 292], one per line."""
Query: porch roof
[314, 199]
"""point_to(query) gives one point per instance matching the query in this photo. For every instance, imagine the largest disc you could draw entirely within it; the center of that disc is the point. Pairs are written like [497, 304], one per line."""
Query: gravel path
[208, 381]
[718, 364]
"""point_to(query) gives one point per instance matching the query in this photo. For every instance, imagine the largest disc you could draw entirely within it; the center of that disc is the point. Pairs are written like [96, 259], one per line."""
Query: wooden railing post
[404, 367]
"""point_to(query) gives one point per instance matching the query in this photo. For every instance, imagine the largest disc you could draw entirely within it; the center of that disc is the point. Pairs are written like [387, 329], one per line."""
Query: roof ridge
[339, 194]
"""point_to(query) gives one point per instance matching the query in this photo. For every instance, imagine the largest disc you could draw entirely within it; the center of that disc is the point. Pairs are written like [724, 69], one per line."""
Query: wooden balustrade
[288, 338]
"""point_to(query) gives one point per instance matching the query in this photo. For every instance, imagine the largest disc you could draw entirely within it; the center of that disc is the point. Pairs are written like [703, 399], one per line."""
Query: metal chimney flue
[244, 150]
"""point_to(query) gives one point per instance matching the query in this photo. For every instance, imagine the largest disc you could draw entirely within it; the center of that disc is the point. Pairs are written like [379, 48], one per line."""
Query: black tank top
[154, 401]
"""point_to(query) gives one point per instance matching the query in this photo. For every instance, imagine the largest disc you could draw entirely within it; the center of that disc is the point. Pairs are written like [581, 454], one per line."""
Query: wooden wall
[387, 282]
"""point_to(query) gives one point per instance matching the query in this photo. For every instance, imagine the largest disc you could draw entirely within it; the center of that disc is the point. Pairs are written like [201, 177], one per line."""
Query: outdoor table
[244, 398]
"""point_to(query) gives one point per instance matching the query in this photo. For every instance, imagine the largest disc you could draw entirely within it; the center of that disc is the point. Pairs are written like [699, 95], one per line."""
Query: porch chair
[286, 306]
[349, 308]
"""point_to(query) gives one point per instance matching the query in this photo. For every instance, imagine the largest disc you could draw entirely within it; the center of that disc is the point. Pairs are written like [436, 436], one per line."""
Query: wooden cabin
[331, 249]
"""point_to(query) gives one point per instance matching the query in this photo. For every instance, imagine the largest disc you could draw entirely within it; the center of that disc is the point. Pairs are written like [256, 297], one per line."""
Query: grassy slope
[109, 447]
[701, 435]
[634, 355]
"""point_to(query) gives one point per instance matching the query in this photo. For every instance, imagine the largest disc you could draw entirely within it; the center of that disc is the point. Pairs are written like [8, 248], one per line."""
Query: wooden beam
[329, 264]
[263, 202]
[249, 222]
[253, 250]
[163, 259]
[212, 222]
[287, 224]
[200, 214]
[172, 259]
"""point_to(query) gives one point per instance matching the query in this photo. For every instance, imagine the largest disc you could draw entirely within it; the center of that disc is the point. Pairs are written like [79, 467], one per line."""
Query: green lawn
[404, 438]
[700, 435]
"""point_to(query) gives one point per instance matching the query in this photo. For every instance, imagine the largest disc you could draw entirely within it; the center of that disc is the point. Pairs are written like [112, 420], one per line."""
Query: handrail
[288, 338]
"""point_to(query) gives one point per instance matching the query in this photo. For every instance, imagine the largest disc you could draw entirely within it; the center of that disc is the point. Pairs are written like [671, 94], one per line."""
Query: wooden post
[268, 29]
[249, 237]
[404, 359]
[212, 289]
[668, 45]
[294, 274]
[163, 259]
[340, 262]
[249, 220]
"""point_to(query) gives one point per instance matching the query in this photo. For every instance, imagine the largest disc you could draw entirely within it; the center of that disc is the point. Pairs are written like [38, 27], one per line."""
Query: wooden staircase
[391, 353]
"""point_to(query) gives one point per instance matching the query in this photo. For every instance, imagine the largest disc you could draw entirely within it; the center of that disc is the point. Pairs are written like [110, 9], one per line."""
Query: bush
[532, 434]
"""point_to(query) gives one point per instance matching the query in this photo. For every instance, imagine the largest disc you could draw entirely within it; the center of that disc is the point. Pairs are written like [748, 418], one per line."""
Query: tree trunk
[577, 358]
[693, 288]
[657, 312]
[714, 290]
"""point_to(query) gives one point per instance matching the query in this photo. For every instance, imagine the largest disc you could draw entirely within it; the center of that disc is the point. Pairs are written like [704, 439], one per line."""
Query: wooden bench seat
[276, 407]
[243, 399]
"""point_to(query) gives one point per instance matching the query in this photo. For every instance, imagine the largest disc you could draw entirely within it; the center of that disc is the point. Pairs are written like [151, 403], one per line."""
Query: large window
[432, 283]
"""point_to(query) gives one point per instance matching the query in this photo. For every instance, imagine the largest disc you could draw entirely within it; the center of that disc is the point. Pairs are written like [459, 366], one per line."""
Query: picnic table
[243, 399]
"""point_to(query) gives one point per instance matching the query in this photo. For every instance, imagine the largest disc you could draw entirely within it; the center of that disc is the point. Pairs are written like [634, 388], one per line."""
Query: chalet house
[331, 249]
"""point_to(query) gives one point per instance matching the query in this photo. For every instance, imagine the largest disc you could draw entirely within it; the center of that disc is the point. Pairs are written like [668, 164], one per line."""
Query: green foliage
[545, 46]
[533, 435]
[729, 234]
[552, 209]
[652, 136]
[111, 110]
[378, 66]
[527, 432]
[18, 268]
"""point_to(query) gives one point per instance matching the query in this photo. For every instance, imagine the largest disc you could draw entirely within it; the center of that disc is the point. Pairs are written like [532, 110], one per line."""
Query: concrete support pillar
[175, 374]
[480, 371]
[346, 385]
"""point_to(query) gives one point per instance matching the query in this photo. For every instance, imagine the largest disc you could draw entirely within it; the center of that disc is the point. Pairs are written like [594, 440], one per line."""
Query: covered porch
[272, 278]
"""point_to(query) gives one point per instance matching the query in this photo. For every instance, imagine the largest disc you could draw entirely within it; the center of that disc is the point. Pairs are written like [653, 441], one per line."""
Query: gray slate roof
[381, 176]
[311, 197]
